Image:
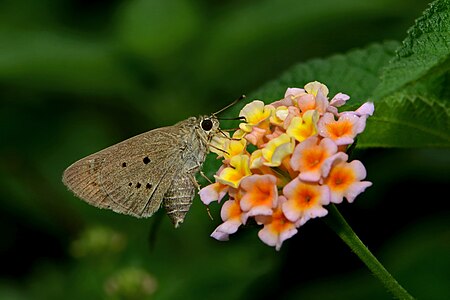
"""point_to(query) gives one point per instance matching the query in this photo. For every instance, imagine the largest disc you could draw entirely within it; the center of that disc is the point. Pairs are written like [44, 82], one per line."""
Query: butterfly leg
[194, 181]
[206, 177]
[198, 187]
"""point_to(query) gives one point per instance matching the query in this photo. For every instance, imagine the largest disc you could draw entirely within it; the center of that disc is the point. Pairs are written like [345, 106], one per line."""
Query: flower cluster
[297, 166]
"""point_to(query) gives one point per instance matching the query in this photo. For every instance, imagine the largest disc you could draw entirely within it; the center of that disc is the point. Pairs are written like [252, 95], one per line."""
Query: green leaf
[423, 52]
[405, 120]
[414, 103]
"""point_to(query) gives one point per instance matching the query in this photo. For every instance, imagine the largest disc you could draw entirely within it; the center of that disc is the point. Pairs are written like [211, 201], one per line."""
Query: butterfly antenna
[229, 105]
[237, 118]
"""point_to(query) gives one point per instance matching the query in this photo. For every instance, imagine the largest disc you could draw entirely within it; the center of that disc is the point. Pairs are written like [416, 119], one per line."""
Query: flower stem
[337, 222]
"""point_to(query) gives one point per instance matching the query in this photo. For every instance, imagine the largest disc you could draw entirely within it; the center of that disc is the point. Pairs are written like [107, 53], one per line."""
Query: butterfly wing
[130, 177]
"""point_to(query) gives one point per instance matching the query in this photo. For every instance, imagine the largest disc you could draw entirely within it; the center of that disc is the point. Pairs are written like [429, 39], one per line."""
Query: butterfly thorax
[195, 134]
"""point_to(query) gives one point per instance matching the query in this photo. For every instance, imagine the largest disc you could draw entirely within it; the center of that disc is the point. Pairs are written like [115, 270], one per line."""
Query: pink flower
[366, 109]
[292, 113]
[309, 156]
[233, 217]
[305, 201]
[213, 192]
[338, 100]
[256, 136]
[259, 194]
[344, 130]
[344, 180]
[277, 228]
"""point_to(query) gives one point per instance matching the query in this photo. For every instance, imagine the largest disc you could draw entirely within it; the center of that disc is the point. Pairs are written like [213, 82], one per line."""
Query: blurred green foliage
[77, 76]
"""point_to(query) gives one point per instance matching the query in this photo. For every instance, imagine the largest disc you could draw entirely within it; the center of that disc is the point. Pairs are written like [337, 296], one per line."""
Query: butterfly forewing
[130, 177]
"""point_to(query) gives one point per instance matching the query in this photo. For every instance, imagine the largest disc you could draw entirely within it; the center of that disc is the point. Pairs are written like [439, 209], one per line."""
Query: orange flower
[259, 194]
[305, 201]
[277, 228]
[344, 180]
[309, 156]
[344, 130]
[233, 217]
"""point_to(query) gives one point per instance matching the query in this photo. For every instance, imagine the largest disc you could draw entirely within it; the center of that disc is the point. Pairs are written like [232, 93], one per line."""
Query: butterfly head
[209, 124]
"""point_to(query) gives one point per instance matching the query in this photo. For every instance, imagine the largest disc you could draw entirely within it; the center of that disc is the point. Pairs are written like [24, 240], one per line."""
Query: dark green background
[78, 76]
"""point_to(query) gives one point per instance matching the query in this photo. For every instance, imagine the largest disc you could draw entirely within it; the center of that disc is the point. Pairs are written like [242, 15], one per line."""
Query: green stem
[337, 222]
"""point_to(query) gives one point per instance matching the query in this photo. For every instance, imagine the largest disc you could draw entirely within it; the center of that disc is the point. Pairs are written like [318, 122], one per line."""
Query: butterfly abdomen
[178, 198]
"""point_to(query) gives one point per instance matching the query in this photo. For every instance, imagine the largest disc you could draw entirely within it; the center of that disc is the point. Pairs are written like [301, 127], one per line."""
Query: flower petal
[256, 135]
[309, 155]
[213, 192]
[254, 112]
[301, 128]
[277, 149]
[315, 86]
[344, 180]
[304, 200]
[306, 102]
[231, 210]
[330, 161]
[355, 189]
[342, 131]
[220, 235]
[276, 228]
[366, 109]
[260, 194]
[280, 114]
[339, 99]
[232, 175]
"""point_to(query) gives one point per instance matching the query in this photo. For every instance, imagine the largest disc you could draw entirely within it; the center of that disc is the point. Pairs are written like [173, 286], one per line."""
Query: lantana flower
[260, 194]
[277, 149]
[343, 130]
[254, 113]
[238, 169]
[233, 217]
[305, 201]
[303, 127]
[277, 228]
[287, 162]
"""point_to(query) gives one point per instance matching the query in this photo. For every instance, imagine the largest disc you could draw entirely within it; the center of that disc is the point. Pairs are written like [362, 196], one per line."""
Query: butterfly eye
[207, 124]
